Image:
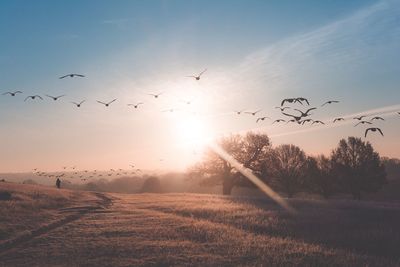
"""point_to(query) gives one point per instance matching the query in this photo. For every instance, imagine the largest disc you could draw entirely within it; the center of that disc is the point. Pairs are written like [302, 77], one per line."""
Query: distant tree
[392, 167]
[151, 185]
[320, 177]
[251, 150]
[288, 169]
[358, 167]
[29, 181]
[5, 195]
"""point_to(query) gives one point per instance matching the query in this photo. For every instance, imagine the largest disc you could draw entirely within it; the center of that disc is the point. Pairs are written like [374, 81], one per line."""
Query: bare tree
[250, 150]
[288, 168]
[358, 167]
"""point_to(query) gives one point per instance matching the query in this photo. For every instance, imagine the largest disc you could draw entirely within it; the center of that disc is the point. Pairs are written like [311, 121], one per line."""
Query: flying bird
[377, 118]
[55, 97]
[290, 100]
[262, 118]
[305, 114]
[198, 76]
[136, 105]
[13, 93]
[33, 97]
[106, 104]
[362, 122]
[72, 75]
[301, 99]
[320, 122]
[169, 110]
[293, 120]
[359, 118]
[307, 120]
[187, 102]
[329, 102]
[156, 95]
[338, 119]
[78, 105]
[297, 118]
[373, 130]
[278, 120]
[253, 113]
[239, 111]
[282, 108]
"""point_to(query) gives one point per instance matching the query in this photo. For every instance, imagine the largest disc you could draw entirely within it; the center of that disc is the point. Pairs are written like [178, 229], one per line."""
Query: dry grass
[32, 206]
[209, 230]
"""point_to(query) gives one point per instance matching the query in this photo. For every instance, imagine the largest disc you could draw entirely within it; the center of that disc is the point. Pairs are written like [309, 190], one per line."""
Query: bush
[151, 185]
[5, 195]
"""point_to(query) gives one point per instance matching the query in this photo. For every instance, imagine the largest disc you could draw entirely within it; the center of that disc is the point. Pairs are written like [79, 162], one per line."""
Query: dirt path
[72, 214]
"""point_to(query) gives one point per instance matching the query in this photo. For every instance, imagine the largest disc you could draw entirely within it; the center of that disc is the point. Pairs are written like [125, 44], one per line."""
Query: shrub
[5, 195]
[151, 185]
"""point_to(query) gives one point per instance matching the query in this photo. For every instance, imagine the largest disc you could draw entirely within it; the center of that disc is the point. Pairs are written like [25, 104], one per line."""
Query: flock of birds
[303, 116]
[84, 175]
[286, 107]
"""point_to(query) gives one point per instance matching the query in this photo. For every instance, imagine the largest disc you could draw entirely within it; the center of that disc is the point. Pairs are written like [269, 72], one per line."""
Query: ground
[101, 229]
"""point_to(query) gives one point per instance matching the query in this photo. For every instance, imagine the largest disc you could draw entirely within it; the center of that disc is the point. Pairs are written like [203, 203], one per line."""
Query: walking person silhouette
[58, 183]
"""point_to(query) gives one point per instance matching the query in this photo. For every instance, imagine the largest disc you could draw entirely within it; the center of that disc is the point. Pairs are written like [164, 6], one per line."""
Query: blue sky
[256, 53]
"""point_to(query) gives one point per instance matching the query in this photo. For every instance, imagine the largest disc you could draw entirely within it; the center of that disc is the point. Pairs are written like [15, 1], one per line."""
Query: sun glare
[192, 131]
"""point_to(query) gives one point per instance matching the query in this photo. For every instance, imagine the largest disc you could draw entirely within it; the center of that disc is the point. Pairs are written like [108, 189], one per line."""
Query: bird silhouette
[187, 102]
[293, 120]
[329, 102]
[282, 108]
[290, 100]
[55, 97]
[169, 110]
[359, 118]
[278, 120]
[197, 77]
[374, 129]
[297, 118]
[306, 120]
[239, 111]
[72, 75]
[317, 121]
[262, 118]
[12, 93]
[301, 99]
[78, 105]
[106, 104]
[362, 122]
[136, 105]
[305, 114]
[377, 118]
[33, 97]
[338, 119]
[253, 112]
[156, 95]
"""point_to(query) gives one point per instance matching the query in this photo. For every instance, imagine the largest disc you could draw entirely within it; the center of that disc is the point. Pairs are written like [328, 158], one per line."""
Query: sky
[256, 53]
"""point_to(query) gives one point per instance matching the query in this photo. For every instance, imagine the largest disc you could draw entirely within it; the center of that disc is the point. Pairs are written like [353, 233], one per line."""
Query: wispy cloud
[343, 45]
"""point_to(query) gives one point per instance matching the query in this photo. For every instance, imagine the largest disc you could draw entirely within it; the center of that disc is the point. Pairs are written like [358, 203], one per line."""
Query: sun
[192, 131]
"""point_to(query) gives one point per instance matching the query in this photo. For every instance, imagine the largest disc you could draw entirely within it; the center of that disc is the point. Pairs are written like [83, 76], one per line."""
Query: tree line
[353, 167]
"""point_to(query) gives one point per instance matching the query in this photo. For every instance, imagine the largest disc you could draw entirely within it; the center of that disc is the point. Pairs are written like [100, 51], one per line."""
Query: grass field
[194, 229]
